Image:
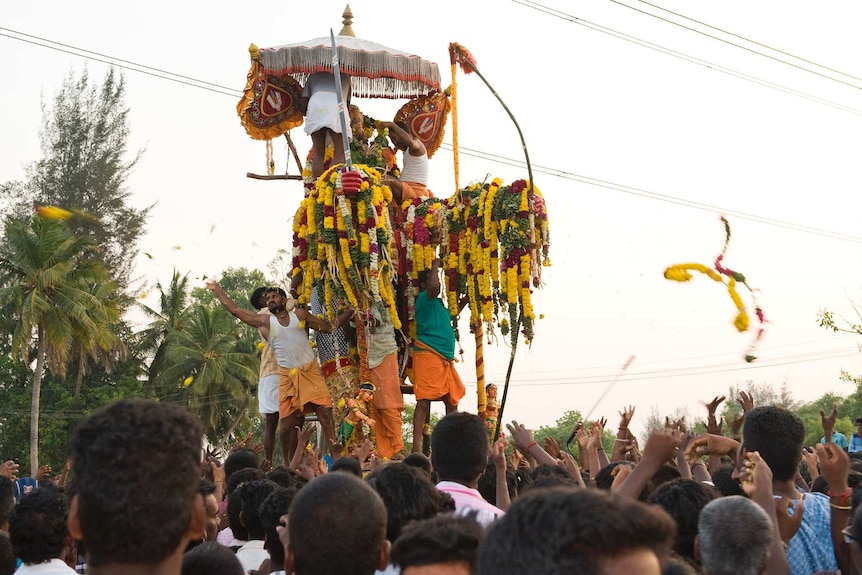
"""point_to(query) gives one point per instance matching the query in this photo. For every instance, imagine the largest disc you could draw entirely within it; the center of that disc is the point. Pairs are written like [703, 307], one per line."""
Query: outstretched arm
[251, 318]
[432, 286]
[324, 325]
[416, 147]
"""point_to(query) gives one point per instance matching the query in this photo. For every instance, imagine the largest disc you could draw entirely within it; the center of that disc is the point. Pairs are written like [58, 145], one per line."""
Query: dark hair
[37, 527]
[136, 463]
[7, 498]
[211, 557]
[562, 530]
[725, 483]
[347, 465]
[271, 511]
[206, 487]
[445, 503]
[408, 495]
[459, 447]
[281, 476]
[819, 485]
[404, 126]
[440, 539]
[279, 290]
[250, 496]
[420, 461]
[256, 296]
[604, 479]
[347, 511]
[488, 482]
[244, 475]
[8, 561]
[778, 435]
[684, 499]
[240, 459]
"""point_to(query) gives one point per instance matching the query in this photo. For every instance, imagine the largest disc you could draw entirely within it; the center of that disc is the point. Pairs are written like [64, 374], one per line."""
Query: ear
[198, 519]
[697, 548]
[384, 555]
[75, 520]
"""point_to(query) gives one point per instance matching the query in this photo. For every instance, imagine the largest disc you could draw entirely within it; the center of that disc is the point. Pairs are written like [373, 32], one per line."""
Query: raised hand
[522, 436]
[834, 466]
[582, 437]
[661, 445]
[42, 473]
[619, 473]
[712, 406]
[829, 422]
[626, 416]
[810, 459]
[241, 443]
[755, 475]
[553, 447]
[498, 453]
[746, 400]
[789, 519]
[570, 465]
[708, 444]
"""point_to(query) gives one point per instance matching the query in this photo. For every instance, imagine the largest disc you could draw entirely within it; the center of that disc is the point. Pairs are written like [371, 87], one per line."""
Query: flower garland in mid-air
[681, 273]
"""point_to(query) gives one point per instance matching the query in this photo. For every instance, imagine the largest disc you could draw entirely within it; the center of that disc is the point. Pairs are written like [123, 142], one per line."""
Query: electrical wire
[728, 42]
[682, 56]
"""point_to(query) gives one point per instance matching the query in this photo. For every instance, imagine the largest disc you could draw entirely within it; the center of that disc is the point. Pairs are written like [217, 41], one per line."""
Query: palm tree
[202, 360]
[170, 318]
[45, 278]
[102, 345]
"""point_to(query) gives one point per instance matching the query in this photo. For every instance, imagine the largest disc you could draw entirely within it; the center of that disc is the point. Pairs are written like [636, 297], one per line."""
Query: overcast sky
[630, 121]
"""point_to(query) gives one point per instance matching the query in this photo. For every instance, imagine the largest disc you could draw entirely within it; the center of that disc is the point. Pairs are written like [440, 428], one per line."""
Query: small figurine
[492, 407]
[357, 412]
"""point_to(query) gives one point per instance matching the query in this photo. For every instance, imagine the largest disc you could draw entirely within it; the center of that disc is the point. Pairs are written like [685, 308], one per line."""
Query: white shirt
[290, 343]
[52, 567]
[251, 555]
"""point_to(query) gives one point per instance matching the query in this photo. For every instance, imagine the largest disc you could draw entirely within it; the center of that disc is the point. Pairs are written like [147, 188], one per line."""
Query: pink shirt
[469, 501]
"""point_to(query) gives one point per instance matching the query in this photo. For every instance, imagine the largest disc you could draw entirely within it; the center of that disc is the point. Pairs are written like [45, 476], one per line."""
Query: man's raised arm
[249, 317]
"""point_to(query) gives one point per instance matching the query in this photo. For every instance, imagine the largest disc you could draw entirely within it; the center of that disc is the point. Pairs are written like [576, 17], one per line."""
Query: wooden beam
[273, 177]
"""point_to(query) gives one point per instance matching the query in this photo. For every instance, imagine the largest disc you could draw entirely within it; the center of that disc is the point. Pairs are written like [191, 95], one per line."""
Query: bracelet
[841, 507]
[529, 447]
[621, 440]
[841, 497]
[695, 464]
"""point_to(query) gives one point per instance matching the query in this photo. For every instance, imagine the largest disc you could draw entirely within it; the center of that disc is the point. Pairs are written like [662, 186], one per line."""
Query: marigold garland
[681, 273]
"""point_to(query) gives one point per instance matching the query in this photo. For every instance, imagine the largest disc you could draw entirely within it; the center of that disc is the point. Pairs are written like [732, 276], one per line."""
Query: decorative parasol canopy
[376, 71]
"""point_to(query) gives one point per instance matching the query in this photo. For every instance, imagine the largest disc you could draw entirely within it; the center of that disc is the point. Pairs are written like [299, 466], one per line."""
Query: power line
[741, 47]
[682, 56]
[564, 174]
[755, 42]
[134, 67]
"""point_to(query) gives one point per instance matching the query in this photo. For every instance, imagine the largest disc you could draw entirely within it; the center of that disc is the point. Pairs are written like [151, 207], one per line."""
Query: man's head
[408, 495]
[442, 544]
[7, 501]
[778, 435]
[250, 496]
[257, 299]
[459, 448]
[734, 537]
[240, 459]
[207, 491]
[38, 526]
[422, 279]
[211, 557]
[276, 299]
[349, 513]
[136, 467]
[272, 509]
[398, 141]
[562, 530]
[684, 499]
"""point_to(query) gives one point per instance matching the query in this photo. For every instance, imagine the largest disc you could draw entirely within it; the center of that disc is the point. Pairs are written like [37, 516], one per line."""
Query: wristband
[841, 498]
[841, 507]
[529, 447]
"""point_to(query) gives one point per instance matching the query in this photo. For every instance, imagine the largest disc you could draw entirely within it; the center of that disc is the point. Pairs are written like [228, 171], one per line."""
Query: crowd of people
[142, 496]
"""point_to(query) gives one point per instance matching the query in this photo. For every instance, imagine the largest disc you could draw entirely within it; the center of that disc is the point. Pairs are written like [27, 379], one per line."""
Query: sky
[630, 122]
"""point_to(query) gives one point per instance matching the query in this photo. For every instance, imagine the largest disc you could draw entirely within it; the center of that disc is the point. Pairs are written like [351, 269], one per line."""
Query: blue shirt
[811, 548]
[838, 439]
[855, 443]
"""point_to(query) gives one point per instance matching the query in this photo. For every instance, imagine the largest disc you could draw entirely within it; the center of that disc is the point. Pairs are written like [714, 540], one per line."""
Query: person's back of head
[778, 435]
[336, 524]
[234, 505]
[407, 494]
[7, 500]
[211, 558]
[37, 527]
[250, 495]
[420, 461]
[240, 459]
[8, 562]
[684, 499]
[459, 448]
[280, 476]
[449, 540]
[586, 531]
[271, 511]
[137, 473]
[734, 537]
[723, 480]
[347, 465]
[546, 476]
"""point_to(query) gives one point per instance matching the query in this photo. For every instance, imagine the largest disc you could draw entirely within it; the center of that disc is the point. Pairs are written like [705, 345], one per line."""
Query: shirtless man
[300, 380]
[414, 177]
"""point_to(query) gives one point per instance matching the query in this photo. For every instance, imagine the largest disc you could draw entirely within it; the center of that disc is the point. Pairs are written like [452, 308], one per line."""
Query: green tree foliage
[85, 167]
[168, 319]
[238, 284]
[45, 286]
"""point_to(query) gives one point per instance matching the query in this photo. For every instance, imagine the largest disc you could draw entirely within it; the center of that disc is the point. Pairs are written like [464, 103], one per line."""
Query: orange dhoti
[299, 387]
[434, 376]
[388, 403]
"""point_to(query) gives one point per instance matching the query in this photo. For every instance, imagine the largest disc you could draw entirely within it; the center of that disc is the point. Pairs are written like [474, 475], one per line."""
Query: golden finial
[347, 21]
[254, 51]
